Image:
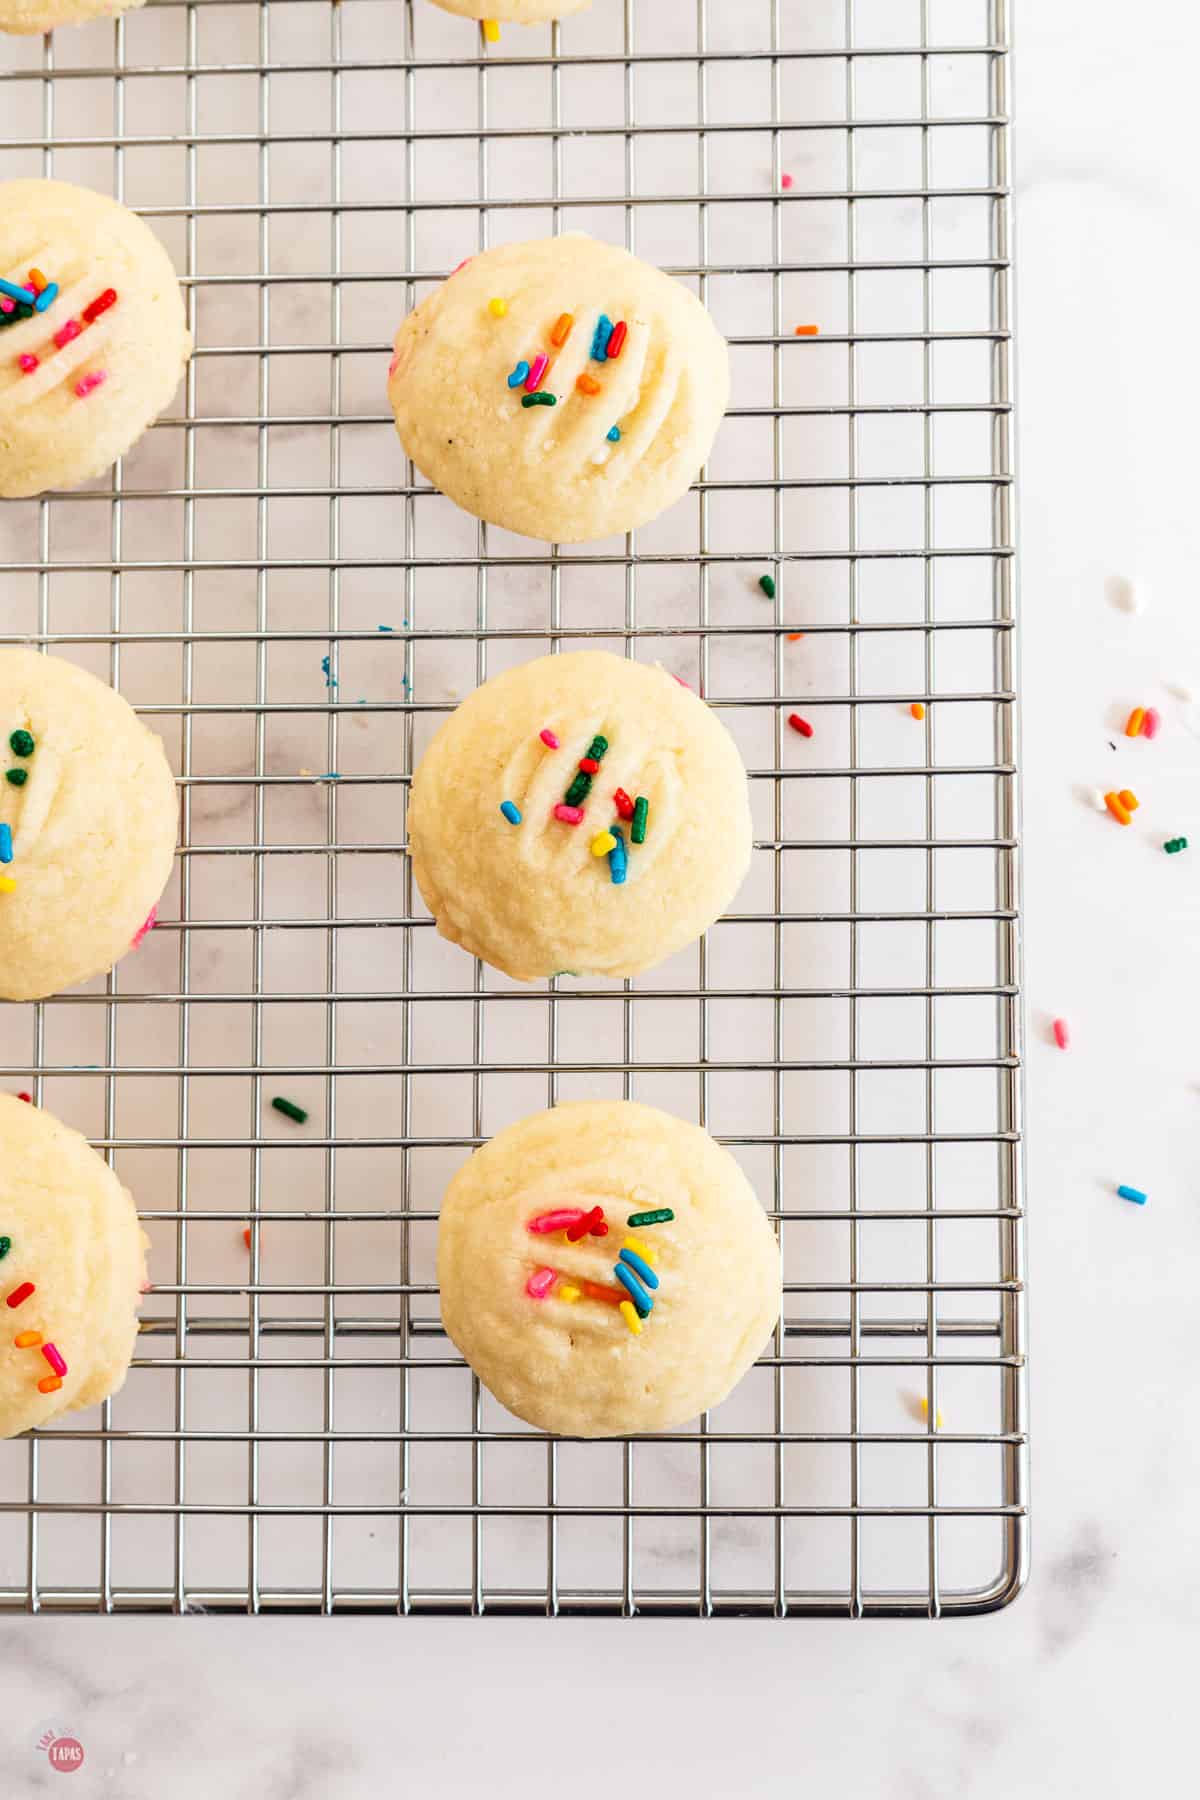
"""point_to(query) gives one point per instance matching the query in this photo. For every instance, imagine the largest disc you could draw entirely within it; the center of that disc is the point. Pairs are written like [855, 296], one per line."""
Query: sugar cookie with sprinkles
[631, 835]
[24, 16]
[560, 388]
[636, 1327]
[516, 12]
[93, 338]
[72, 1269]
[89, 803]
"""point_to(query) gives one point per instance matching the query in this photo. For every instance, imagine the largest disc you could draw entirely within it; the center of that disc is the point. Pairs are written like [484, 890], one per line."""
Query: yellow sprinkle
[7, 884]
[628, 1312]
[497, 308]
[27, 1340]
[602, 843]
[491, 31]
[567, 1292]
[940, 1422]
[642, 1250]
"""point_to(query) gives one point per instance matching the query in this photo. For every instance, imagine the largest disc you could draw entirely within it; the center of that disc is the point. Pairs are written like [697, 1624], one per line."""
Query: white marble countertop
[1085, 1685]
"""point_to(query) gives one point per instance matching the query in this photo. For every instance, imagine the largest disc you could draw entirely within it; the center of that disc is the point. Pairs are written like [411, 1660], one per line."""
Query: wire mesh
[296, 611]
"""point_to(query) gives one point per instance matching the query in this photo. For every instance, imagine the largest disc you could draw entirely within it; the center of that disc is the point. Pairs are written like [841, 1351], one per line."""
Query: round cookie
[72, 1269]
[555, 471]
[84, 374]
[89, 800]
[548, 1326]
[517, 12]
[44, 15]
[545, 895]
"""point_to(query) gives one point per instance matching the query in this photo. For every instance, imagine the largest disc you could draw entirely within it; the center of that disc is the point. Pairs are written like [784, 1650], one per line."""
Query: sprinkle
[579, 789]
[20, 1294]
[99, 305]
[1152, 722]
[662, 1217]
[785, 181]
[1128, 801]
[1096, 795]
[587, 384]
[540, 1283]
[1132, 1193]
[570, 815]
[588, 765]
[614, 434]
[49, 1384]
[767, 584]
[290, 1109]
[6, 844]
[808, 331]
[629, 1314]
[92, 380]
[22, 743]
[641, 1299]
[598, 747]
[1117, 809]
[604, 331]
[640, 1267]
[1174, 845]
[46, 298]
[7, 885]
[1135, 721]
[616, 342]
[491, 31]
[6, 306]
[1062, 1034]
[939, 1421]
[618, 864]
[594, 1291]
[917, 710]
[27, 1340]
[147, 926]
[800, 725]
[568, 1292]
[37, 280]
[602, 843]
[555, 1221]
[643, 1250]
[623, 804]
[511, 813]
[518, 375]
[54, 1358]
[540, 364]
[246, 1236]
[549, 739]
[587, 1222]
[562, 329]
[497, 308]
[641, 813]
[22, 1096]
[5, 1243]
[16, 777]
[67, 332]
[14, 292]
[539, 399]
[27, 363]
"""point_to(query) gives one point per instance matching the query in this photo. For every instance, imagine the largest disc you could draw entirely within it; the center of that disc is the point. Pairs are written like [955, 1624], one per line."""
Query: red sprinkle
[70, 330]
[21, 1293]
[785, 181]
[1151, 723]
[1062, 1035]
[589, 765]
[800, 725]
[28, 363]
[24, 1096]
[623, 803]
[588, 1223]
[246, 1237]
[99, 305]
[616, 342]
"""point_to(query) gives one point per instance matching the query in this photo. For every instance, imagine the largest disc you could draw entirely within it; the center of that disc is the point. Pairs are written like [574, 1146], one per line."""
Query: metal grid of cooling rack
[278, 594]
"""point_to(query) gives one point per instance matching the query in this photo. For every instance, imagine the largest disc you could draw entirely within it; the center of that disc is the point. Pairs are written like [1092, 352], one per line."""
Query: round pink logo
[66, 1755]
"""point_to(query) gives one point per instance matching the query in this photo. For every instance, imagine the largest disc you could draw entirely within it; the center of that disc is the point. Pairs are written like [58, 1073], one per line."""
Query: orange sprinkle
[794, 637]
[917, 710]
[587, 384]
[38, 280]
[808, 331]
[1118, 809]
[246, 1237]
[595, 1291]
[1135, 721]
[562, 329]
[27, 1340]
[1128, 801]
[49, 1384]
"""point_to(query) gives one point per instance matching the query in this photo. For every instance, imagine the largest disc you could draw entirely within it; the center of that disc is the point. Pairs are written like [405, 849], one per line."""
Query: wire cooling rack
[295, 611]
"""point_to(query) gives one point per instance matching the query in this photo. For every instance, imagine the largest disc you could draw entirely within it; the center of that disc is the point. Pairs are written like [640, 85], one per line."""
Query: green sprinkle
[1174, 845]
[596, 748]
[5, 1247]
[21, 743]
[18, 777]
[641, 811]
[767, 584]
[651, 1218]
[290, 1109]
[541, 398]
[579, 789]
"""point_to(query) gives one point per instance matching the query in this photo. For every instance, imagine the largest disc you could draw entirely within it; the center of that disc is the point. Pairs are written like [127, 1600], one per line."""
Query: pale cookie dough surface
[574, 1366]
[519, 12]
[532, 899]
[52, 435]
[93, 826]
[45, 15]
[73, 1232]
[550, 471]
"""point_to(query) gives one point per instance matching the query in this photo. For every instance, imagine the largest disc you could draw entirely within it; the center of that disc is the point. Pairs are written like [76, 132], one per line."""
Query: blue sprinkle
[629, 1280]
[330, 680]
[614, 436]
[519, 374]
[47, 297]
[329, 775]
[1134, 1194]
[640, 1267]
[5, 843]
[617, 861]
[15, 293]
[512, 813]
[604, 330]
[388, 627]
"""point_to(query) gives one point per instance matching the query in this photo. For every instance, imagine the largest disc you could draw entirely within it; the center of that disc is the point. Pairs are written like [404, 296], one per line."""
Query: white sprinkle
[1181, 691]
[1097, 799]
[1137, 596]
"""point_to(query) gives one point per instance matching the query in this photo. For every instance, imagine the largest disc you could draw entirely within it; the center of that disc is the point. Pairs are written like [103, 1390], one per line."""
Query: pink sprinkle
[462, 265]
[393, 366]
[1062, 1035]
[540, 1283]
[533, 380]
[1151, 723]
[548, 738]
[555, 1221]
[785, 181]
[70, 330]
[7, 305]
[150, 922]
[91, 382]
[682, 682]
[570, 815]
[800, 725]
[54, 1359]
[28, 363]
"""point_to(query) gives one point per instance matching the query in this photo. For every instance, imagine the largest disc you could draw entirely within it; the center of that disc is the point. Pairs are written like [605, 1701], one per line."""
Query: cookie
[72, 1269]
[518, 12]
[579, 813]
[583, 1311]
[88, 818]
[45, 15]
[93, 341]
[560, 388]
